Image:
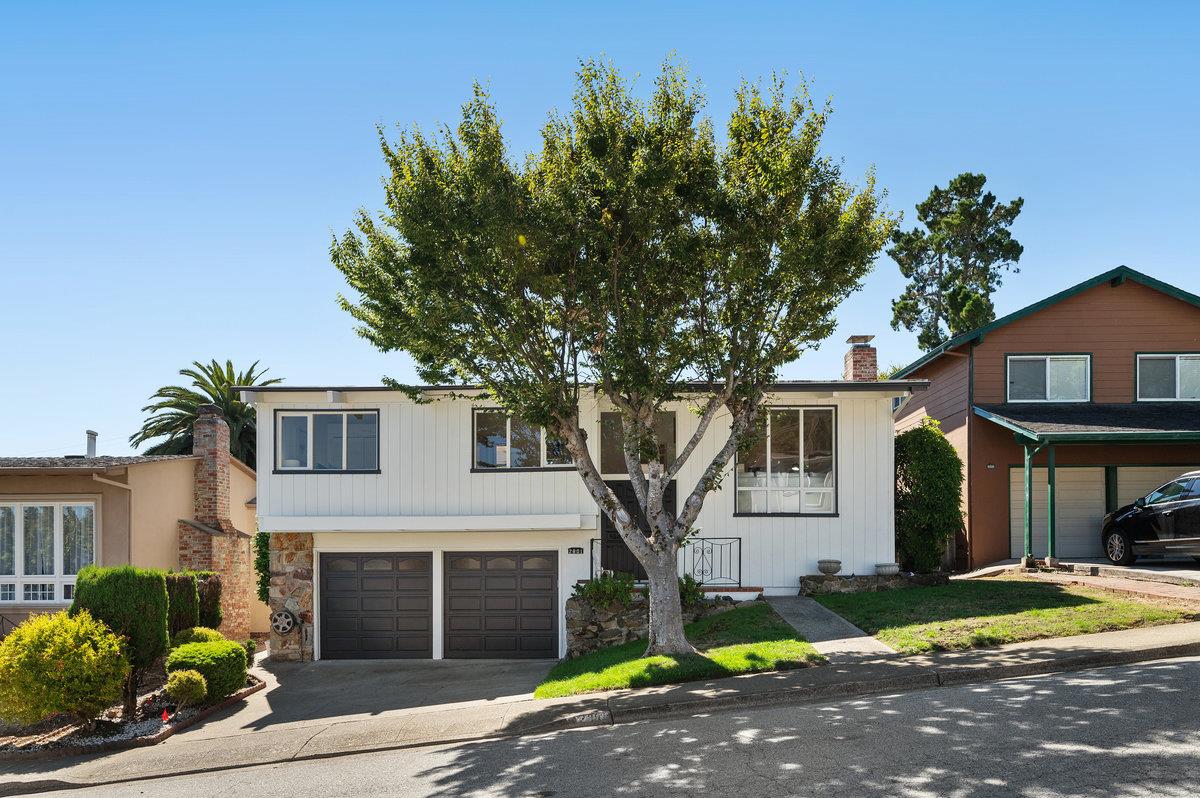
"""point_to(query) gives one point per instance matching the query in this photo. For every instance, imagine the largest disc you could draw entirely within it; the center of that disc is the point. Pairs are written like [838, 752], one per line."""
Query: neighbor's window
[1049, 378]
[1168, 377]
[336, 440]
[502, 441]
[792, 465]
[612, 441]
[43, 545]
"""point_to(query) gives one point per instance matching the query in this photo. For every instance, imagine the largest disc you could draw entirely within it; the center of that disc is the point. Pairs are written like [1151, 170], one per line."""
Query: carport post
[1051, 549]
[1027, 560]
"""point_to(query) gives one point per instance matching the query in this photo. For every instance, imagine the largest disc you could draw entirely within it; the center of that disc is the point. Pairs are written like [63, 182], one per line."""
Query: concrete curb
[631, 707]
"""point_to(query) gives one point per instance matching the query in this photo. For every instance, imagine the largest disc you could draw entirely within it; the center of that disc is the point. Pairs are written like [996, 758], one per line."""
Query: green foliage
[196, 634]
[954, 265]
[928, 496]
[208, 584]
[251, 646]
[222, 663]
[130, 601]
[60, 663]
[262, 565]
[187, 687]
[607, 588]
[183, 602]
[173, 409]
[691, 594]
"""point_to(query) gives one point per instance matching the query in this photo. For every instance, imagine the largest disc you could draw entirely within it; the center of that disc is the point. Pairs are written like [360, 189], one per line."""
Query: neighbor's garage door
[1134, 482]
[376, 606]
[501, 604]
[1080, 511]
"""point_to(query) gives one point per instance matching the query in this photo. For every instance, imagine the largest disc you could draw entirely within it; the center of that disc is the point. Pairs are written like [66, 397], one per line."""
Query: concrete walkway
[832, 635]
[485, 719]
[1137, 587]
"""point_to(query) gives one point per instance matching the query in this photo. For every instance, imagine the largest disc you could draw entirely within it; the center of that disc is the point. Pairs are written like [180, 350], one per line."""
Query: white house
[447, 529]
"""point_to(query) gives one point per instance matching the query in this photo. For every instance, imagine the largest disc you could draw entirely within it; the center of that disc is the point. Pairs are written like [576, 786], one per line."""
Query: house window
[1049, 378]
[612, 441]
[791, 468]
[336, 441]
[502, 441]
[43, 546]
[1166, 378]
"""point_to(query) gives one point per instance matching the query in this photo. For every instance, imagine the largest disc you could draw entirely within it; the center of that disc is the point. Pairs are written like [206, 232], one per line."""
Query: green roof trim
[1114, 277]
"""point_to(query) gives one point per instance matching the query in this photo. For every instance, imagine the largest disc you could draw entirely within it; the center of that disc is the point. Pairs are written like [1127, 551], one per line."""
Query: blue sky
[170, 177]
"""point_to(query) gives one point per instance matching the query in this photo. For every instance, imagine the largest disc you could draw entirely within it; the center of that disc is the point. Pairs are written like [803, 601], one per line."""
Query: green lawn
[988, 612]
[744, 640]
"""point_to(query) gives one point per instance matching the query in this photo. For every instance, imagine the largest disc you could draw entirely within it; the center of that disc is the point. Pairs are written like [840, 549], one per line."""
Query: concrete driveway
[334, 691]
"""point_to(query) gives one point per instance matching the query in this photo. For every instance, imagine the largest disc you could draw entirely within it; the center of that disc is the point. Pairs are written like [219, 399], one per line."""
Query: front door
[614, 554]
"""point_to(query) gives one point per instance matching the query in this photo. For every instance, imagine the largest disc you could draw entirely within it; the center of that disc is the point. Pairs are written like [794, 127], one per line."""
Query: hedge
[222, 664]
[209, 585]
[196, 634]
[929, 476]
[183, 602]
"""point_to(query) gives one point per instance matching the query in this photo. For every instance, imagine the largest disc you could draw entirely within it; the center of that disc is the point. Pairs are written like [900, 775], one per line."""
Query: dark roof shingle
[84, 463]
[1147, 418]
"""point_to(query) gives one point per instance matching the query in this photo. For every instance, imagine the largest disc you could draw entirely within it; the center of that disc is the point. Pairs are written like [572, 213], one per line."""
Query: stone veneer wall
[820, 584]
[292, 589]
[590, 628]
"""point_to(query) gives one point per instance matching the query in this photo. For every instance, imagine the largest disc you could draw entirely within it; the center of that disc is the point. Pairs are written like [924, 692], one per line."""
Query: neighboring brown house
[58, 514]
[1092, 395]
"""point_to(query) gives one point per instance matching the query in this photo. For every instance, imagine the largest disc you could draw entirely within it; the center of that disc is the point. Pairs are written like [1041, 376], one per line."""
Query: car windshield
[1172, 491]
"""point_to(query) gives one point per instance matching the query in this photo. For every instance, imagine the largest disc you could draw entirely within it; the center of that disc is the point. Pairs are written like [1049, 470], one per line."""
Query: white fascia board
[425, 523]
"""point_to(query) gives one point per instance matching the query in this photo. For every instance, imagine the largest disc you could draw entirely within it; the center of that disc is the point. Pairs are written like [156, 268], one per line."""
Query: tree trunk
[666, 613]
[129, 705]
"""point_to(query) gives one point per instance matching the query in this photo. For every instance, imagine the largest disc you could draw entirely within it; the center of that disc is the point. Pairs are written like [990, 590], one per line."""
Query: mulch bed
[62, 736]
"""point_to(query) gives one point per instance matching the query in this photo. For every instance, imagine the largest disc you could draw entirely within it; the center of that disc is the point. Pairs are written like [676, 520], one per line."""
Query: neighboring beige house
[58, 514]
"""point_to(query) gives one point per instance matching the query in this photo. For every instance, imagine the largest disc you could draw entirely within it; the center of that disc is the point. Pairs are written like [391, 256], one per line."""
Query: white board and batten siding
[425, 482]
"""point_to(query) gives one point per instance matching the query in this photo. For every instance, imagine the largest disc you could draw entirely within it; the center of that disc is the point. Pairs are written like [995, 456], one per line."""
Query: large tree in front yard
[634, 256]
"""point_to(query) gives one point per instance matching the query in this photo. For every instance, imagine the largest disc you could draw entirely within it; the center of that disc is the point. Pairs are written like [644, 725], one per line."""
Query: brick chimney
[861, 363]
[210, 442]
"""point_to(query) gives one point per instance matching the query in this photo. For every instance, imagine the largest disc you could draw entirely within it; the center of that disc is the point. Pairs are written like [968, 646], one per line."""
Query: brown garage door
[502, 604]
[376, 606]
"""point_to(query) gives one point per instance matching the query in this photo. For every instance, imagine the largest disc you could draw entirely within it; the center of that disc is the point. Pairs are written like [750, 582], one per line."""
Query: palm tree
[173, 409]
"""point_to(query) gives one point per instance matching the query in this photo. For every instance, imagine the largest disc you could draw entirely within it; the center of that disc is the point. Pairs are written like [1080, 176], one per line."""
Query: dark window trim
[1091, 378]
[475, 469]
[837, 468]
[1137, 376]
[275, 469]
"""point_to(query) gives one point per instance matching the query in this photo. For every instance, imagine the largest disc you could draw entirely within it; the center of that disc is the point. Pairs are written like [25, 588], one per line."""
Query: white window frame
[770, 489]
[1177, 356]
[1087, 378]
[308, 468]
[508, 418]
[58, 579]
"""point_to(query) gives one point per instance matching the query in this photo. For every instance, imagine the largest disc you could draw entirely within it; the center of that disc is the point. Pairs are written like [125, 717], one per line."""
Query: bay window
[330, 441]
[791, 467]
[1168, 377]
[43, 546]
[1049, 378]
[503, 442]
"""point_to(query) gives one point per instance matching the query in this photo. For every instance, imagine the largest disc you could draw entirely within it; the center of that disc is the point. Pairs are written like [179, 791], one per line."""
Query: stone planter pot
[887, 569]
[829, 567]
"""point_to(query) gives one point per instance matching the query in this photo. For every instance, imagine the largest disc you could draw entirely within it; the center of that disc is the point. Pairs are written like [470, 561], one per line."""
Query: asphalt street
[1120, 731]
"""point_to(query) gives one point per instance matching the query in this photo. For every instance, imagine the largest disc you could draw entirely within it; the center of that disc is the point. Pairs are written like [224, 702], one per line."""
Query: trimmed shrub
[132, 602]
[183, 602]
[607, 588]
[208, 584]
[262, 565]
[691, 594]
[929, 478]
[186, 687]
[60, 663]
[196, 634]
[251, 646]
[222, 663]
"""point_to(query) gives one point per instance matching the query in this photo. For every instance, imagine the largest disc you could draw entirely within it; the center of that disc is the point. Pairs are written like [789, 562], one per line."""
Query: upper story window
[612, 441]
[1049, 378]
[792, 467]
[1166, 378]
[337, 441]
[502, 441]
[43, 544]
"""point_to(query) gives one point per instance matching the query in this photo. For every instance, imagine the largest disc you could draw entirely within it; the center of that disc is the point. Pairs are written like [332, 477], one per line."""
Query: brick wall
[861, 363]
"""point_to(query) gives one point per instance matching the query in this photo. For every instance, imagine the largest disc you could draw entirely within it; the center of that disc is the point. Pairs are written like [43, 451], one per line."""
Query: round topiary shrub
[222, 663]
[60, 663]
[187, 687]
[196, 634]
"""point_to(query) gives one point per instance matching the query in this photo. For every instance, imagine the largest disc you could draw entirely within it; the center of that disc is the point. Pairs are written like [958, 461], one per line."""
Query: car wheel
[1118, 548]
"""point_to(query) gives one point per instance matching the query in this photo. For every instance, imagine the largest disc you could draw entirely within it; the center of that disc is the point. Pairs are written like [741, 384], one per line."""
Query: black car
[1165, 521]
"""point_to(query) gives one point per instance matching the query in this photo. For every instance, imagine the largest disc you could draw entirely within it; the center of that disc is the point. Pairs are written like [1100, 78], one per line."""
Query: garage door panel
[1134, 482]
[1079, 506]
[510, 598]
[376, 606]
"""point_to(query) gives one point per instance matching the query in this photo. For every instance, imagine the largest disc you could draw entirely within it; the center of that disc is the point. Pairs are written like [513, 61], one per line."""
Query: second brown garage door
[501, 605]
